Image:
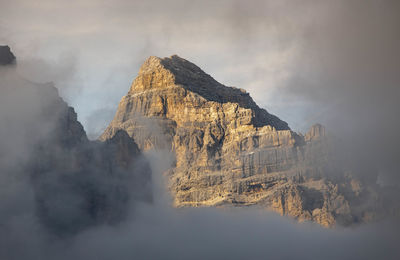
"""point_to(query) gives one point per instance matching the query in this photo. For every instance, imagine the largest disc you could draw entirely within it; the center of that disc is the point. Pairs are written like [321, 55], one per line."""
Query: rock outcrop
[95, 183]
[6, 56]
[76, 183]
[231, 152]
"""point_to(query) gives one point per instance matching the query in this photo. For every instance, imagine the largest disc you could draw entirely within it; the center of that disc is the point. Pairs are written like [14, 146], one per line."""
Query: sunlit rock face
[231, 152]
[75, 183]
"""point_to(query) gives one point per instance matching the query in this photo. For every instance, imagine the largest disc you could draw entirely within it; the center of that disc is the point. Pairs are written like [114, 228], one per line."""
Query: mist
[53, 180]
[348, 73]
[158, 231]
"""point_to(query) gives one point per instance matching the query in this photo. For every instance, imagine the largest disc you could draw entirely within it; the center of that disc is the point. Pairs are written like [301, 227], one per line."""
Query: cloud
[347, 74]
[52, 178]
[158, 231]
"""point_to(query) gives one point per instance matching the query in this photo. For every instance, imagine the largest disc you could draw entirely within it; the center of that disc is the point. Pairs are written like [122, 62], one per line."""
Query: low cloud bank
[158, 231]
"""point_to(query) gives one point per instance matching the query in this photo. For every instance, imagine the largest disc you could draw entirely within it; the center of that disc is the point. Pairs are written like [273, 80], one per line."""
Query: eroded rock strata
[231, 152]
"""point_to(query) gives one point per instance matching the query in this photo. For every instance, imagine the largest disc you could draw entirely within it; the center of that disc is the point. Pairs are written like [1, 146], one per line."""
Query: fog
[158, 231]
[53, 180]
[333, 62]
[348, 72]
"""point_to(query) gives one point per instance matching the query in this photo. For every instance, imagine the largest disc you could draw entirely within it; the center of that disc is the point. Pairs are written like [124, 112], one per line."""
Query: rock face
[94, 182]
[231, 152]
[75, 183]
[316, 132]
[6, 56]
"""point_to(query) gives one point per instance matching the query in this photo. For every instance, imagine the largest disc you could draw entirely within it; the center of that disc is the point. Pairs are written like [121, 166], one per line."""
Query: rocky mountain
[230, 152]
[75, 183]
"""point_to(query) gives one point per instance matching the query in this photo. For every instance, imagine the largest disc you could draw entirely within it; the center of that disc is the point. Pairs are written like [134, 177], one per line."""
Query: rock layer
[231, 152]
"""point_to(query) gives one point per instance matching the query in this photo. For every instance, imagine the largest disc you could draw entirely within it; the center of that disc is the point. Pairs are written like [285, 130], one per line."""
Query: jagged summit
[6, 56]
[161, 74]
[228, 151]
[174, 70]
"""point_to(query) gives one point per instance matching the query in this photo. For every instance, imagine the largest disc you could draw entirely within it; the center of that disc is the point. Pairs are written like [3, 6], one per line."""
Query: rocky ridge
[76, 183]
[231, 152]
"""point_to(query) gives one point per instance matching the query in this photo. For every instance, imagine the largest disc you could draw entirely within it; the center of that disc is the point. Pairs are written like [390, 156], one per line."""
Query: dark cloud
[347, 72]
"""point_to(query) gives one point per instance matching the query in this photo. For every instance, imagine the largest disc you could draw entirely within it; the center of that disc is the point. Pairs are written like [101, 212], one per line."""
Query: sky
[292, 56]
[287, 54]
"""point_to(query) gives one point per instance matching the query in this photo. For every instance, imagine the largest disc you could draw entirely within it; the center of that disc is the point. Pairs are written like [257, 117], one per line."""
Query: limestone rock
[231, 152]
[316, 132]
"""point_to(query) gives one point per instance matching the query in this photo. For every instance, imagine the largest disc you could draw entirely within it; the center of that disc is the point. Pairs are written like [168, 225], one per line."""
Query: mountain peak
[6, 56]
[154, 63]
[174, 72]
[228, 151]
[149, 64]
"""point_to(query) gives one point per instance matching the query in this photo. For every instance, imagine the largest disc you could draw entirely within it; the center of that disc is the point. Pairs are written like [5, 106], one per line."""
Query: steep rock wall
[231, 152]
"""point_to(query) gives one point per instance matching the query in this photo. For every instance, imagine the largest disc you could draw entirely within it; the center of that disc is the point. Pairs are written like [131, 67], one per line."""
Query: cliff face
[75, 183]
[231, 152]
[80, 183]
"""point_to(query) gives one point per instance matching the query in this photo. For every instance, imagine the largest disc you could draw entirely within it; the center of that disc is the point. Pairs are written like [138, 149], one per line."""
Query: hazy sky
[283, 52]
[274, 49]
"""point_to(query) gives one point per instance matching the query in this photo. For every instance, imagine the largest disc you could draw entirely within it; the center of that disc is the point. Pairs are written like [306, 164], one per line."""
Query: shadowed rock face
[230, 152]
[6, 56]
[79, 183]
[76, 183]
